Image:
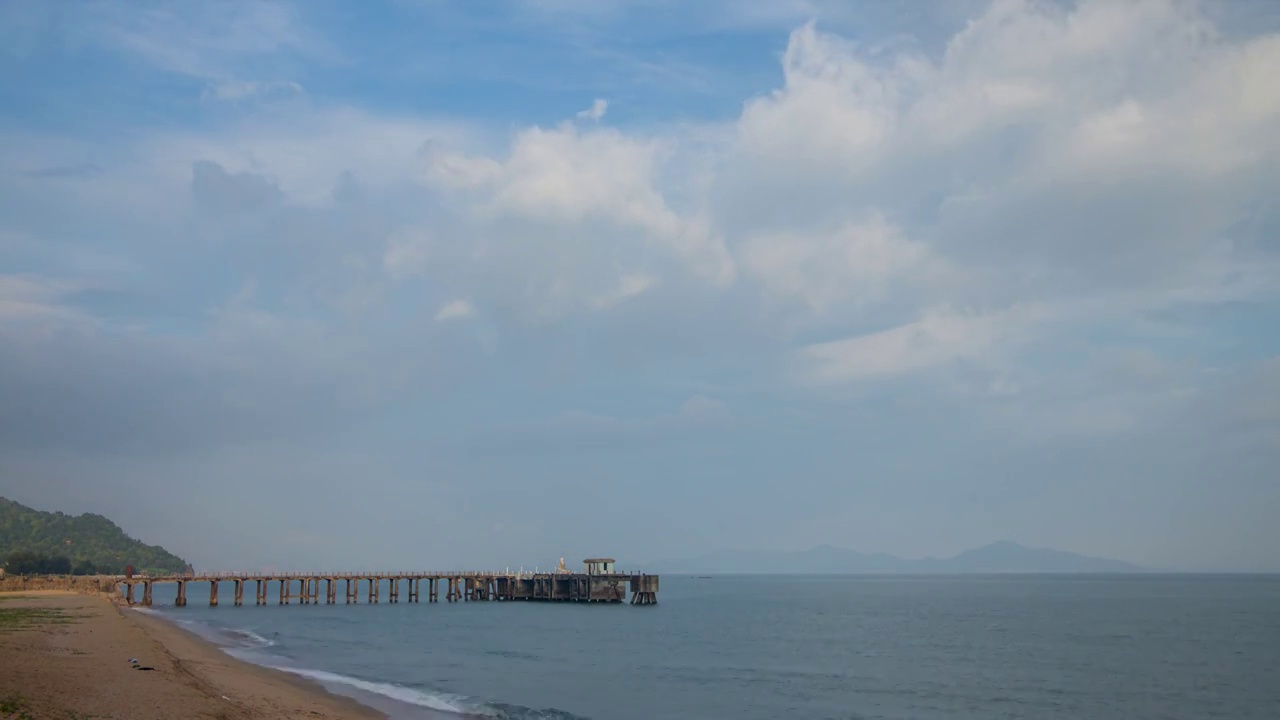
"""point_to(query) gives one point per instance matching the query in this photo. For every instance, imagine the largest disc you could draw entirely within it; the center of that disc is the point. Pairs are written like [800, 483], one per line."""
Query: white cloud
[834, 112]
[237, 90]
[565, 175]
[579, 214]
[873, 186]
[596, 111]
[1066, 157]
[854, 264]
[306, 152]
[1222, 119]
[628, 286]
[407, 252]
[32, 297]
[455, 310]
[208, 41]
[939, 337]
[968, 225]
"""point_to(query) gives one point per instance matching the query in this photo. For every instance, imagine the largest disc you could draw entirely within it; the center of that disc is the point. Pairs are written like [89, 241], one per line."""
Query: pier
[600, 583]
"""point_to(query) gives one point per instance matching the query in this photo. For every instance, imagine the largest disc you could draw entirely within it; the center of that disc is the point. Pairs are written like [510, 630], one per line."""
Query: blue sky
[426, 283]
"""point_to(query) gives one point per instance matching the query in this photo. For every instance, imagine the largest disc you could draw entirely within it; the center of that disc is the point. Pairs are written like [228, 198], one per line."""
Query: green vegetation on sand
[23, 618]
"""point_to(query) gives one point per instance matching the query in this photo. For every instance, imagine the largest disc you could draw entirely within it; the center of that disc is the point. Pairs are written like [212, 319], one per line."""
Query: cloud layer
[1035, 254]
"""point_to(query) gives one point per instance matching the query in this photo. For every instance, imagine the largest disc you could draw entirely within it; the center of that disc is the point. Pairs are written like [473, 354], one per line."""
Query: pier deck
[464, 586]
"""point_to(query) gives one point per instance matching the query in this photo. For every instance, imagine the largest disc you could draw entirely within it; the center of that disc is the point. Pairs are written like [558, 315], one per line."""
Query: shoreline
[63, 652]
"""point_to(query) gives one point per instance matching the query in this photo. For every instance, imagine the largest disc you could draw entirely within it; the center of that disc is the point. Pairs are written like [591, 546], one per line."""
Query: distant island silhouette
[998, 557]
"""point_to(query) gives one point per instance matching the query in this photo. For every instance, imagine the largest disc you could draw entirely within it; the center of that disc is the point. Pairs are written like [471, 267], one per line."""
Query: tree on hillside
[91, 543]
[55, 565]
[22, 562]
[25, 562]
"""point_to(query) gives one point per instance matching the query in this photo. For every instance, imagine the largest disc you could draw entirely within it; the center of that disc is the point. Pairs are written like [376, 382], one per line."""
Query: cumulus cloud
[978, 220]
[1044, 158]
[574, 206]
[597, 110]
[455, 310]
[851, 265]
[1028, 163]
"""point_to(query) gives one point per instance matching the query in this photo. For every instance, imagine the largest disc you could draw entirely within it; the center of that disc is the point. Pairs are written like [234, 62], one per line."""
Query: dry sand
[66, 656]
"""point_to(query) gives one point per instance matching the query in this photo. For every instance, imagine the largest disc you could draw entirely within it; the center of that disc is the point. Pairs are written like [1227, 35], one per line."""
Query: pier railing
[226, 575]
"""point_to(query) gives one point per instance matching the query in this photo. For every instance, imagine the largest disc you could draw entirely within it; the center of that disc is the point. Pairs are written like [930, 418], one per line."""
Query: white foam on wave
[439, 702]
[253, 637]
[435, 701]
[168, 618]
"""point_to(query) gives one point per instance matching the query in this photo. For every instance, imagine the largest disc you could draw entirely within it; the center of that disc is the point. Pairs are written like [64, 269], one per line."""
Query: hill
[1008, 557]
[998, 557]
[91, 542]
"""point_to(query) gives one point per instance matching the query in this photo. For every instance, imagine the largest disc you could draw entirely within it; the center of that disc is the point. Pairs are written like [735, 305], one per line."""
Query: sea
[768, 647]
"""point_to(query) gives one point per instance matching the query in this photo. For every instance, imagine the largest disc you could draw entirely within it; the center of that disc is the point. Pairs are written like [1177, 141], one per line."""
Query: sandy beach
[66, 655]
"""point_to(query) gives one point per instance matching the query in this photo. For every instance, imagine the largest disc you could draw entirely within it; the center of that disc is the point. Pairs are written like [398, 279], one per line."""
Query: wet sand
[65, 655]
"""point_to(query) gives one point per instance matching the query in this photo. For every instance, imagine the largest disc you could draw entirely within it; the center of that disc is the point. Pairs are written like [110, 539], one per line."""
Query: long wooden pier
[599, 584]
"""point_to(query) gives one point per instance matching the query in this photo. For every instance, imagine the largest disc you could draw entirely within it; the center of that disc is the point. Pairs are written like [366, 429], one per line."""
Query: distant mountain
[1009, 557]
[998, 557]
[90, 542]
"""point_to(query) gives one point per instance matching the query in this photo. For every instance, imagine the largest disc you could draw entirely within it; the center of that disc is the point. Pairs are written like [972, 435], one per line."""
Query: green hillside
[92, 543]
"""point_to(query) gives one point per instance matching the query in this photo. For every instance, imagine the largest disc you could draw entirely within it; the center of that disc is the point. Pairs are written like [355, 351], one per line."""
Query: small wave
[249, 646]
[512, 654]
[169, 618]
[251, 637]
[517, 712]
[434, 701]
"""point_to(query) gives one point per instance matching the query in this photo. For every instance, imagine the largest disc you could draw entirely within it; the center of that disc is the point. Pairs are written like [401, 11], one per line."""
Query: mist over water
[814, 647]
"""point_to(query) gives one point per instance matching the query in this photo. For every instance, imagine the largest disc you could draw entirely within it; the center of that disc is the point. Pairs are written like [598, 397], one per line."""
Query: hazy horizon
[773, 554]
[432, 284]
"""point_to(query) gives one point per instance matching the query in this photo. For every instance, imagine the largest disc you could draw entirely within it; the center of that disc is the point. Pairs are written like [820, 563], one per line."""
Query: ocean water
[757, 648]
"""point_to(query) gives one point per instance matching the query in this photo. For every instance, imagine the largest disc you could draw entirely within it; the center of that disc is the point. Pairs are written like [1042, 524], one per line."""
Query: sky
[431, 284]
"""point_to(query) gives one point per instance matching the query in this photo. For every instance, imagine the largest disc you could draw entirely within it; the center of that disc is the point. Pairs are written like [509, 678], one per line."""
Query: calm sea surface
[812, 647]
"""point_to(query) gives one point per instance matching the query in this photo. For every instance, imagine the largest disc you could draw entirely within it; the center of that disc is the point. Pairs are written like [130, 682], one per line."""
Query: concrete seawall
[87, 585]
